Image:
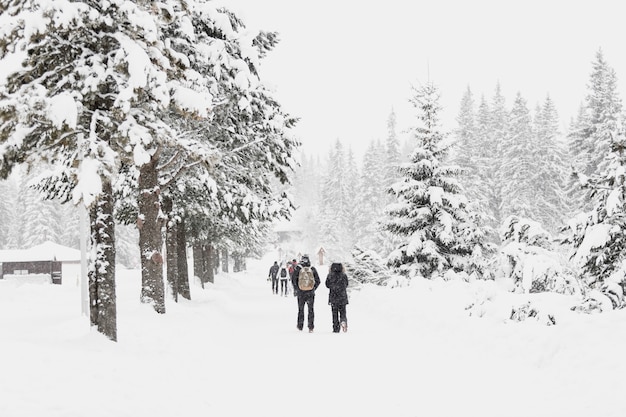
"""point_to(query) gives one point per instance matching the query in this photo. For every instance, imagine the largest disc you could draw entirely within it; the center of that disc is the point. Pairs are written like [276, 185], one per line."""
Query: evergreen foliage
[517, 168]
[430, 212]
[598, 235]
[591, 133]
[550, 162]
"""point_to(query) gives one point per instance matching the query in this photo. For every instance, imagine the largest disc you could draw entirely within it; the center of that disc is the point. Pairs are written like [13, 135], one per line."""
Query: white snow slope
[234, 350]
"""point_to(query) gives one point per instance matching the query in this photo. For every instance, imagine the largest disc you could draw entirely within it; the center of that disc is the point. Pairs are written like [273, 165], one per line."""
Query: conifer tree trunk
[102, 298]
[181, 254]
[209, 262]
[225, 260]
[198, 261]
[216, 260]
[239, 264]
[171, 249]
[150, 238]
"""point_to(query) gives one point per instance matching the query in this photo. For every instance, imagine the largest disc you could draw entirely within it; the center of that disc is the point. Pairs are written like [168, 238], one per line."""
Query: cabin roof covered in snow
[48, 251]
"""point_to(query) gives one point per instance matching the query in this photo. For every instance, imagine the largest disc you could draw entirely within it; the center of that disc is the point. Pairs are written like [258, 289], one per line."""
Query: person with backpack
[292, 269]
[273, 276]
[283, 279]
[306, 280]
[337, 283]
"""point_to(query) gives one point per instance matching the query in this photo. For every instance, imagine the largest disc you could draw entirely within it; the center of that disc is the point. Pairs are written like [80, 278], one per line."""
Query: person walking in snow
[283, 274]
[337, 283]
[305, 281]
[273, 276]
[292, 270]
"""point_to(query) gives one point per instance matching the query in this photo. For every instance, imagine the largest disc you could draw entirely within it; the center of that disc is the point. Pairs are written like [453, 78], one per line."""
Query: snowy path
[234, 351]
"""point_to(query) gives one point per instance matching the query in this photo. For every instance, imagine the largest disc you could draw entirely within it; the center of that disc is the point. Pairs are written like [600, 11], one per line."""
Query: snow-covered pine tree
[353, 175]
[335, 206]
[590, 133]
[466, 147]
[599, 236]
[493, 146]
[517, 167]
[550, 171]
[370, 200]
[579, 158]
[430, 208]
[604, 110]
[392, 153]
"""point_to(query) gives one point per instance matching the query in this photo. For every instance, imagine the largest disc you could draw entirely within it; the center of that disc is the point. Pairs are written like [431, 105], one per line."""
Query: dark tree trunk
[171, 249]
[216, 260]
[198, 262]
[102, 298]
[183, 273]
[209, 262]
[238, 263]
[225, 260]
[150, 238]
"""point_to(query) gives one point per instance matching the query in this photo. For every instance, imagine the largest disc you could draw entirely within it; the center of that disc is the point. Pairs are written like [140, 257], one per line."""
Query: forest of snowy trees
[504, 193]
[145, 114]
[153, 118]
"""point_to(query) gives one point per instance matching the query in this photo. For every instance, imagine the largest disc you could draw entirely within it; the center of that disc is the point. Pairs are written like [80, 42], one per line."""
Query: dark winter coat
[337, 283]
[274, 271]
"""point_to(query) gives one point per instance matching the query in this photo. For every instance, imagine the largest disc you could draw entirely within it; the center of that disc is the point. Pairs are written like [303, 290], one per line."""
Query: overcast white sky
[342, 65]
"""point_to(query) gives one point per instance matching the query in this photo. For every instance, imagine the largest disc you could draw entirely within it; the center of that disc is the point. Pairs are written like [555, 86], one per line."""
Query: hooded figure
[337, 283]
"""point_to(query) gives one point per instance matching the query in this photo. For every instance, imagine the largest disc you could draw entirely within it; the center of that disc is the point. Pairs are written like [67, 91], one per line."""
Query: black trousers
[308, 298]
[283, 287]
[339, 315]
[275, 285]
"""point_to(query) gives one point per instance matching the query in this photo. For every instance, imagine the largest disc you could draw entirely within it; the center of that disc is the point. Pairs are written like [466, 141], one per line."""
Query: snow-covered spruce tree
[392, 153]
[487, 166]
[604, 107]
[517, 167]
[473, 153]
[370, 200]
[467, 148]
[493, 148]
[430, 212]
[550, 172]
[590, 135]
[336, 204]
[578, 157]
[599, 236]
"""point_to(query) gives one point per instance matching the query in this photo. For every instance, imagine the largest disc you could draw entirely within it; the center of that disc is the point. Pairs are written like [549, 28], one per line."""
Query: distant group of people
[304, 281]
[280, 275]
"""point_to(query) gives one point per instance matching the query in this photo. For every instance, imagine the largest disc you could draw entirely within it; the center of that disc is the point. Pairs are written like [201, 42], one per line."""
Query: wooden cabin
[47, 262]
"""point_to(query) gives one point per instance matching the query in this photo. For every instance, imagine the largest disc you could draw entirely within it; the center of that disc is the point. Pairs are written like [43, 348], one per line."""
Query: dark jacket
[337, 283]
[296, 274]
[274, 270]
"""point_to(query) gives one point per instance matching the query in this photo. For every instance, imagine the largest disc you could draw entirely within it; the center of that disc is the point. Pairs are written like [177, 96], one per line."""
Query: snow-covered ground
[234, 350]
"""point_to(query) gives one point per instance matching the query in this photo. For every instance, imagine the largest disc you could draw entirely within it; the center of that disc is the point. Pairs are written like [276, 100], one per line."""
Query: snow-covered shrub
[368, 267]
[527, 310]
[594, 302]
[598, 248]
[528, 259]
